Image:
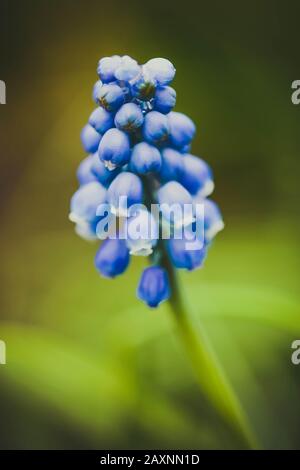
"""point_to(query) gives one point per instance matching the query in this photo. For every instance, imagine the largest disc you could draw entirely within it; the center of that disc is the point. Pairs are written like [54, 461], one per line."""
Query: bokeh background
[88, 365]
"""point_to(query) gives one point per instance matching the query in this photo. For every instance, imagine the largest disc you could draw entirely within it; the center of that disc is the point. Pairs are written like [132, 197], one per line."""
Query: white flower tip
[84, 231]
[73, 217]
[188, 219]
[146, 251]
[214, 229]
[207, 189]
[109, 165]
[120, 211]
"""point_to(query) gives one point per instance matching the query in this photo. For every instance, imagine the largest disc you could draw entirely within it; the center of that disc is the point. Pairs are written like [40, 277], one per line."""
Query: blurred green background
[88, 365]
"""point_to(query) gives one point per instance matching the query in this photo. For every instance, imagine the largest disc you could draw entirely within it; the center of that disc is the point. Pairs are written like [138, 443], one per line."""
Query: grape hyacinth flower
[129, 117]
[90, 139]
[110, 97]
[125, 191]
[164, 99]
[139, 153]
[172, 165]
[140, 175]
[101, 120]
[112, 258]
[141, 233]
[154, 286]
[114, 148]
[84, 171]
[145, 158]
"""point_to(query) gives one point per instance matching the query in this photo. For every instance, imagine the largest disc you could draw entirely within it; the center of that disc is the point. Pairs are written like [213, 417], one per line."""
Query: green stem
[209, 372]
[210, 375]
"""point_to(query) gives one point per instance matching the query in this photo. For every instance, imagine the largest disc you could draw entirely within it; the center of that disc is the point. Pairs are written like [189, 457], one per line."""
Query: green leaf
[67, 377]
[276, 308]
[211, 376]
[96, 392]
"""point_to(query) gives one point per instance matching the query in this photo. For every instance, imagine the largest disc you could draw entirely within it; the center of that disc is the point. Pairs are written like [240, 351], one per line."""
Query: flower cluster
[138, 155]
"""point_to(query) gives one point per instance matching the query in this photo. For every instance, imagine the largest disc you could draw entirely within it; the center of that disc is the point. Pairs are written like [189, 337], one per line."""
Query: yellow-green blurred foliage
[88, 366]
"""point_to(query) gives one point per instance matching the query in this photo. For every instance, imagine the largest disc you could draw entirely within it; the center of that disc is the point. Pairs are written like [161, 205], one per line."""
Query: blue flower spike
[139, 154]
[86, 230]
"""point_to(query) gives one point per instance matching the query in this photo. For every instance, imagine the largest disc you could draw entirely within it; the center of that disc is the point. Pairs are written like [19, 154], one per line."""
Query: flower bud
[84, 171]
[156, 128]
[114, 148]
[141, 233]
[182, 129]
[129, 117]
[111, 97]
[112, 258]
[125, 190]
[143, 86]
[172, 165]
[184, 258]
[145, 158]
[176, 204]
[164, 99]
[86, 230]
[85, 201]
[107, 67]
[102, 174]
[101, 120]
[162, 70]
[127, 69]
[96, 89]
[196, 176]
[90, 139]
[154, 286]
[213, 221]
